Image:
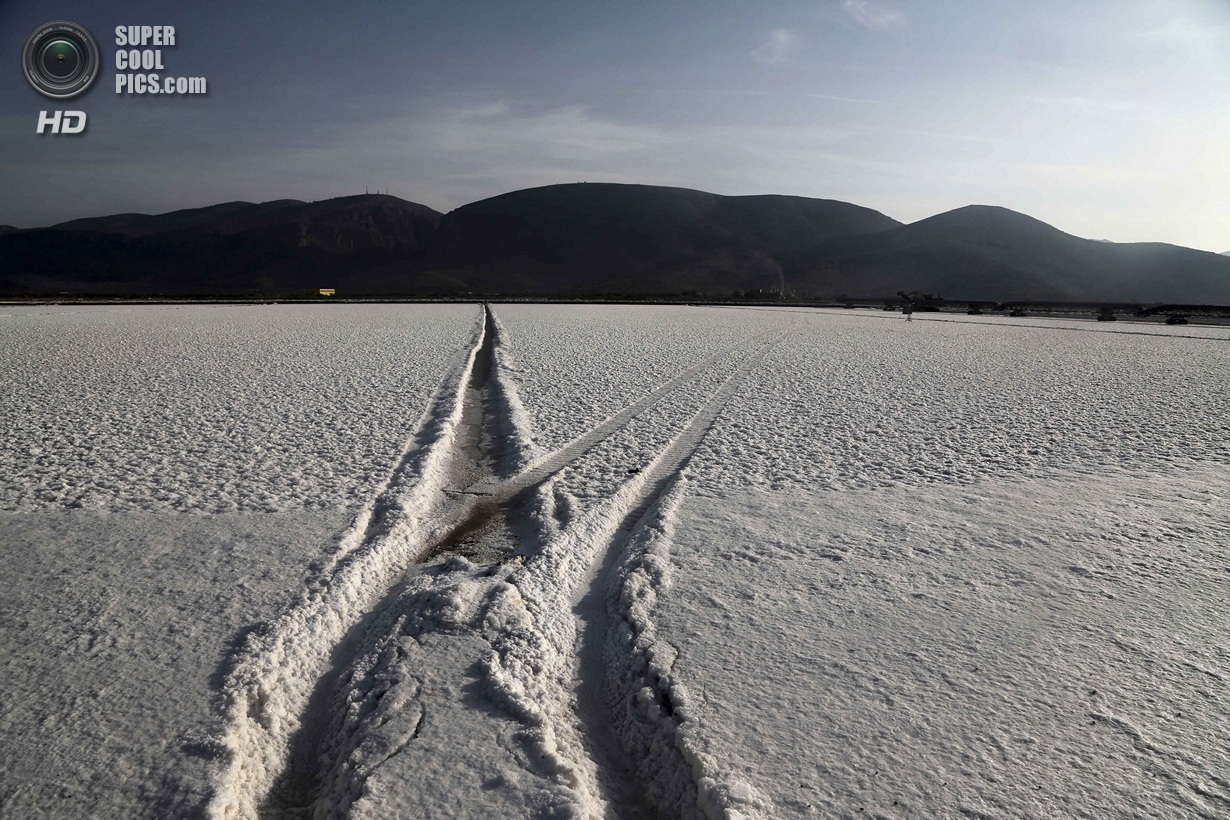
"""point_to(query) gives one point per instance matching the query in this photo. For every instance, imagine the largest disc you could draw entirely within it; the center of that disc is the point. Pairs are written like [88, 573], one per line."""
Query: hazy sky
[1107, 119]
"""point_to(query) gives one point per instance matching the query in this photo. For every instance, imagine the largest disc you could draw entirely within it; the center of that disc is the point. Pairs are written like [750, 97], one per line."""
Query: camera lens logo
[60, 59]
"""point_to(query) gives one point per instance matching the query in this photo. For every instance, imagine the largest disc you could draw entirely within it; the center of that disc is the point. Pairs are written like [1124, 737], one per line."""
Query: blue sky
[1106, 119]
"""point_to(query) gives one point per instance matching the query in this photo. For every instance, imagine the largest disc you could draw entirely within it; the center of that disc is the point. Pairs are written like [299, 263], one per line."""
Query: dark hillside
[594, 239]
[361, 242]
[604, 238]
[983, 252]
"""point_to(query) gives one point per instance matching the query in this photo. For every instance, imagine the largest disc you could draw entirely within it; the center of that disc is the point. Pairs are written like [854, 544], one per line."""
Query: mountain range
[590, 239]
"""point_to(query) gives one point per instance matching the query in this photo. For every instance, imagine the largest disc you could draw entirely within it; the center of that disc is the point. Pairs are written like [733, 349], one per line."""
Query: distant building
[328, 291]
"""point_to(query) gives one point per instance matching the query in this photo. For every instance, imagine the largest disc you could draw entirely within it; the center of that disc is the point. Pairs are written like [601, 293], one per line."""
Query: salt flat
[984, 564]
[575, 366]
[214, 408]
[114, 628]
[1025, 647]
[613, 561]
[169, 475]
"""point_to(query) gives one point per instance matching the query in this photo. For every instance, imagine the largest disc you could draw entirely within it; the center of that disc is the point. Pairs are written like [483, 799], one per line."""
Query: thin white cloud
[465, 154]
[870, 15]
[1062, 175]
[939, 135]
[1185, 30]
[570, 134]
[837, 98]
[1077, 103]
[776, 50]
[496, 109]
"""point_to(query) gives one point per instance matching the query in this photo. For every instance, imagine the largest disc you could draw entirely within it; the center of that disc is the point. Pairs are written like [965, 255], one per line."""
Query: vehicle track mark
[627, 696]
[279, 683]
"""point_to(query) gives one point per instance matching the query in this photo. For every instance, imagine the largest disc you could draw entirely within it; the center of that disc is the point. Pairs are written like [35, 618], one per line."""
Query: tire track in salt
[546, 466]
[532, 668]
[514, 622]
[275, 678]
[627, 699]
[272, 677]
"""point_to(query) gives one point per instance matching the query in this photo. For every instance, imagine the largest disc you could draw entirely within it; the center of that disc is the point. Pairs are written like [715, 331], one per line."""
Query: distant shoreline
[1209, 315]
